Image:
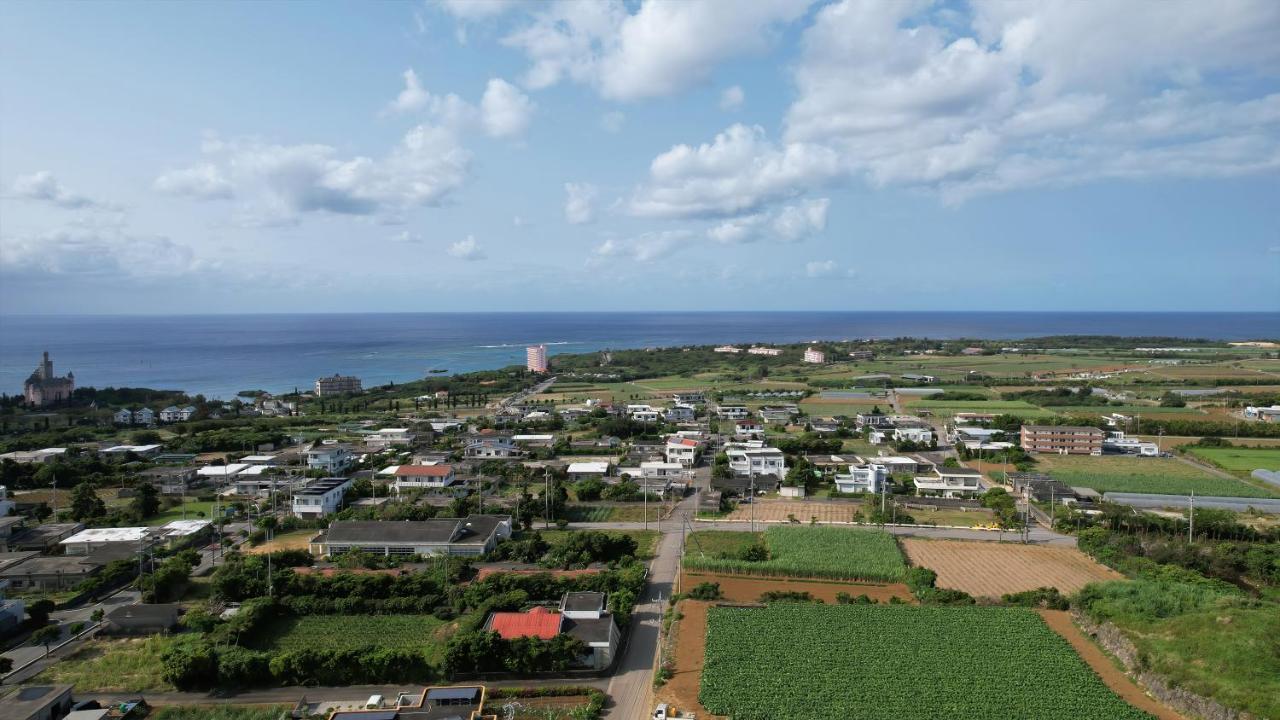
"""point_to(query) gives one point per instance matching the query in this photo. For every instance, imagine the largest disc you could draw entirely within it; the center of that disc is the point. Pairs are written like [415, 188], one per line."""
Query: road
[1039, 535]
[65, 619]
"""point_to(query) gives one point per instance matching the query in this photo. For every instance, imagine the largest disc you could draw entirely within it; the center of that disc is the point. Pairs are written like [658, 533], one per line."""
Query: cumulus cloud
[45, 187]
[732, 98]
[643, 248]
[579, 202]
[790, 224]
[204, 181]
[467, 249]
[1007, 95]
[477, 9]
[98, 251]
[660, 49]
[737, 173]
[504, 110]
[413, 97]
[421, 170]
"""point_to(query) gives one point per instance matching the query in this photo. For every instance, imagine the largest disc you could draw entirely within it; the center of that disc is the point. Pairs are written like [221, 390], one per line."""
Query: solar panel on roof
[459, 693]
[364, 715]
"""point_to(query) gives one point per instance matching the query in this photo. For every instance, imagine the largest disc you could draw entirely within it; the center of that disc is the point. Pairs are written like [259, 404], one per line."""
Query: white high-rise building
[537, 358]
[815, 356]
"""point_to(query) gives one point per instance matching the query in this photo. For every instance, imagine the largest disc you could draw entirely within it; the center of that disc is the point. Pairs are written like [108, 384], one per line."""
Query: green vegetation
[766, 663]
[220, 712]
[826, 552]
[349, 632]
[1238, 460]
[114, 666]
[1166, 476]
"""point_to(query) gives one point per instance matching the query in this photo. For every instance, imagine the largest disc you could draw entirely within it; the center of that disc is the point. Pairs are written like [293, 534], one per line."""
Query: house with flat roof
[683, 451]
[170, 480]
[757, 461]
[469, 536]
[333, 459]
[862, 478]
[141, 619]
[733, 412]
[320, 497]
[950, 482]
[36, 702]
[51, 573]
[492, 448]
[1062, 439]
[41, 538]
[581, 470]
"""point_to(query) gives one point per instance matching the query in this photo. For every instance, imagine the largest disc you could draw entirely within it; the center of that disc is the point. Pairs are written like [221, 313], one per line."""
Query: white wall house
[123, 417]
[757, 461]
[733, 412]
[680, 413]
[144, 416]
[748, 429]
[682, 451]
[657, 469]
[950, 482]
[492, 449]
[922, 435]
[320, 498]
[862, 478]
[333, 459]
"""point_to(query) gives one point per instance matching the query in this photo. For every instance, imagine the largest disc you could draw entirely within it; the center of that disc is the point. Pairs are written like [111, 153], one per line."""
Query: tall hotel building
[537, 358]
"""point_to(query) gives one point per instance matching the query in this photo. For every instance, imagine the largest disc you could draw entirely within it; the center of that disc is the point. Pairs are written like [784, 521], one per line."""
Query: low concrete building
[141, 619]
[470, 536]
[950, 482]
[319, 498]
[36, 702]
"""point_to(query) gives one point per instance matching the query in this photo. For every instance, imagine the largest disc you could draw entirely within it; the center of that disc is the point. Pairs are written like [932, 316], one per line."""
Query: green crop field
[221, 712]
[897, 663]
[826, 552]
[1241, 461]
[1164, 476]
[340, 632]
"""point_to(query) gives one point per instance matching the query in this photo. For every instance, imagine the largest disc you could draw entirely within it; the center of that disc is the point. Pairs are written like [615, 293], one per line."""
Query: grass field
[196, 510]
[1240, 461]
[113, 666]
[343, 632]
[821, 552]
[896, 663]
[292, 540]
[1165, 476]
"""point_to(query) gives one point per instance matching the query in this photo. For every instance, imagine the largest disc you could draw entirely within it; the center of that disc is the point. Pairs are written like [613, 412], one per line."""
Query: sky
[462, 155]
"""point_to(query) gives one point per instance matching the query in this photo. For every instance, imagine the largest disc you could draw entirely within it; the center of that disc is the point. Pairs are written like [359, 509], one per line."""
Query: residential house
[656, 469]
[683, 451]
[320, 498]
[470, 536]
[583, 470]
[122, 452]
[814, 356]
[390, 437]
[733, 412]
[919, 434]
[492, 448]
[171, 480]
[123, 417]
[173, 414]
[34, 457]
[40, 538]
[825, 426]
[51, 573]
[1262, 414]
[950, 482]
[689, 398]
[144, 416]
[872, 420]
[1118, 442]
[141, 619]
[680, 413]
[779, 414]
[333, 459]
[643, 413]
[1062, 439]
[748, 429]
[756, 461]
[36, 702]
[581, 615]
[534, 441]
[862, 478]
[221, 473]
[423, 477]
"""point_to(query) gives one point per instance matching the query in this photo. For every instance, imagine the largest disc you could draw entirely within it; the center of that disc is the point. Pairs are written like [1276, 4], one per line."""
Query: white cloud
[467, 249]
[578, 204]
[413, 97]
[643, 248]
[791, 224]
[421, 170]
[44, 186]
[739, 172]
[407, 238]
[660, 49]
[97, 251]
[820, 268]
[612, 121]
[797, 222]
[1009, 95]
[477, 9]
[732, 98]
[504, 110]
[204, 181]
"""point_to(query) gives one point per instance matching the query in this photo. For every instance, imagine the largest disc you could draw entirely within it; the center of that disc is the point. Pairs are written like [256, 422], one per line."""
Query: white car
[660, 712]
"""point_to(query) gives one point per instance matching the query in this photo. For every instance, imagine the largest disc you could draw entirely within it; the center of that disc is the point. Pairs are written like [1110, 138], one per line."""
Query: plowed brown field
[986, 569]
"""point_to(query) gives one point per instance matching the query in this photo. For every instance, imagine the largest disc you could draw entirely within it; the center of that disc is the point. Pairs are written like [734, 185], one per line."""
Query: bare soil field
[985, 569]
[741, 588]
[681, 691]
[802, 511]
[1060, 622]
[296, 540]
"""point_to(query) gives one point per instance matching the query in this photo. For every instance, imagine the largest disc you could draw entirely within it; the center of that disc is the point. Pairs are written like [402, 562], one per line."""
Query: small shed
[143, 619]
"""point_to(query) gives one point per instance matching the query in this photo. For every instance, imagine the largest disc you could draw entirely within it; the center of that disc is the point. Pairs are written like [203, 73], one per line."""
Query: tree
[38, 612]
[47, 635]
[190, 665]
[145, 502]
[85, 503]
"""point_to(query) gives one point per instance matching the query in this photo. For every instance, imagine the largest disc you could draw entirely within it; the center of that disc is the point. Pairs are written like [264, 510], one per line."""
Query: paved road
[631, 687]
[1039, 535]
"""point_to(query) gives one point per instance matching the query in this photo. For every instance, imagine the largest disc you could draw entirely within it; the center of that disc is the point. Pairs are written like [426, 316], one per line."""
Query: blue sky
[781, 154]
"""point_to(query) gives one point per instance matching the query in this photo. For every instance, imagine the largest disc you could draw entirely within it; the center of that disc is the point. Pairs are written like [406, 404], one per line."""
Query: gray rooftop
[584, 601]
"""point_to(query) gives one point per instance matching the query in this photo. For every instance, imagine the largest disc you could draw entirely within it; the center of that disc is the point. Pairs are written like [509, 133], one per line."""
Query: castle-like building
[43, 388]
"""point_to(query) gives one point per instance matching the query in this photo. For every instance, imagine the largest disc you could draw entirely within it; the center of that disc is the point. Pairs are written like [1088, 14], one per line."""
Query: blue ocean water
[219, 355]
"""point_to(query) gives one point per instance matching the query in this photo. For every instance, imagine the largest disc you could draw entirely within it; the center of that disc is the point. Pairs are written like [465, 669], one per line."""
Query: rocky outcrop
[1184, 701]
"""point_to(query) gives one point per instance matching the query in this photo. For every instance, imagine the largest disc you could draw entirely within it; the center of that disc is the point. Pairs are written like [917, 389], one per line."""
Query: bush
[190, 664]
[706, 591]
[1045, 597]
[793, 596]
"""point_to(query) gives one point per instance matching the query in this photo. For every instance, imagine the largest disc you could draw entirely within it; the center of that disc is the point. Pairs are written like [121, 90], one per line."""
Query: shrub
[706, 591]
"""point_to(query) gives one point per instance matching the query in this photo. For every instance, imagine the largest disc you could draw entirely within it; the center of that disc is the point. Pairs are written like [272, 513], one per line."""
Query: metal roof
[454, 693]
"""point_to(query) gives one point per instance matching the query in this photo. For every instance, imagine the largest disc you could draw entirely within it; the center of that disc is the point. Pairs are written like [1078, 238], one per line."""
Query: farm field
[195, 510]
[1165, 476]
[818, 552]
[342, 632]
[1240, 461]
[985, 569]
[842, 511]
[738, 588]
[293, 540]
[763, 663]
[220, 712]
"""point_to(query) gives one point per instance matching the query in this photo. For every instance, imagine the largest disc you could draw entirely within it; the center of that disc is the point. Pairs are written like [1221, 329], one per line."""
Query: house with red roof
[683, 450]
[581, 615]
[422, 477]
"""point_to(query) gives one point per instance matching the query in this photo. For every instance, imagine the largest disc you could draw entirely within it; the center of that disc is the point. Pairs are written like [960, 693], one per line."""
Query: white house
[682, 451]
[915, 434]
[544, 441]
[423, 477]
[781, 414]
[657, 469]
[581, 470]
[320, 498]
[733, 412]
[584, 617]
[390, 437]
[643, 413]
[869, 477]
[748, 429]
[144, 416]
[757, 461]
[333, 459]
[814, 356]
[950, 482]
[689, 398]
[492, 449]
[680, 413]
[214, 473]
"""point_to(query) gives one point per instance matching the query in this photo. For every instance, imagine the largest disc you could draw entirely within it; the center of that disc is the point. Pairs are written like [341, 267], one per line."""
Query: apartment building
[337, 385]
[814, 356]
[536, 358]
[1062, 439]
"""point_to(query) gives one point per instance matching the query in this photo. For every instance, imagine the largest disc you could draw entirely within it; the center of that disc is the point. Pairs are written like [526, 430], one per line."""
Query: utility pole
[1191, 519]
[546, 498]
[751, 471]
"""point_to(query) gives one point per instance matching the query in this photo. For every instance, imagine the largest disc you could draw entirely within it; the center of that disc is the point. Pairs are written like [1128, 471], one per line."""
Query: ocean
[220, 355]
